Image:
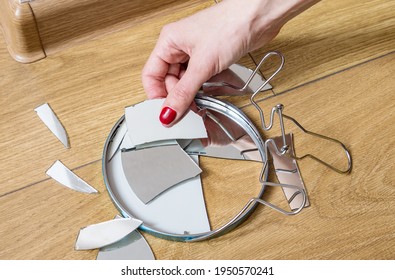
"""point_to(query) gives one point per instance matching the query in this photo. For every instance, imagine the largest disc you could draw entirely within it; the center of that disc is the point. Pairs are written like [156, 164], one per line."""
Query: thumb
[182, 94]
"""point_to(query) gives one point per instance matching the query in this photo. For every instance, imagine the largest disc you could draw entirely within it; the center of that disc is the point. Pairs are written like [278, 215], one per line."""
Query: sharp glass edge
[142, 119]
[132, 247]
[103, 234]
[147, 170]
[60, 173]
[231, 81]
[49, 118]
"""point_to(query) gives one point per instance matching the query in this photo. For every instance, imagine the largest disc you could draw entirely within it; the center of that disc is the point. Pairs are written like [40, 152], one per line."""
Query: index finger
[153, 76]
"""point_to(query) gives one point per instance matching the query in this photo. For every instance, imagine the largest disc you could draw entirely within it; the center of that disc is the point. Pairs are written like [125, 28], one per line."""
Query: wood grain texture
[329, 37]
[34, 29]
[69, 22]
[20, 31]
[350, 217]
[88, 87]
[32, 229]
[98, 79]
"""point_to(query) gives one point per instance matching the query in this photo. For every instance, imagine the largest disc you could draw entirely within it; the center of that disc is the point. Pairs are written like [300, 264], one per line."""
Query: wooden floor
[338, 81]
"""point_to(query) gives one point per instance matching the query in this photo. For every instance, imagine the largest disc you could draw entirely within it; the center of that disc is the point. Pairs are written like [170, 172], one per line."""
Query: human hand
[190, 51]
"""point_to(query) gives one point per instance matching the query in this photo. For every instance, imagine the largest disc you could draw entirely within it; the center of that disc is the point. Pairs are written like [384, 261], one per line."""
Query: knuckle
[167, 30]
[181, 94]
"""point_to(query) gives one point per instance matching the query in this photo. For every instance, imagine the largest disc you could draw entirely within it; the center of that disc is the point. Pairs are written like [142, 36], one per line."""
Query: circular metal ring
[215, 105]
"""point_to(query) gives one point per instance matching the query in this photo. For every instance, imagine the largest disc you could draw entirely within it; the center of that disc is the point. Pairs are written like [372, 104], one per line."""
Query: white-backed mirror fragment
[131, 247]
[59, 172]
[144, 126]
[106, 233]
[151, 171]
[244, 73]
[46, 114]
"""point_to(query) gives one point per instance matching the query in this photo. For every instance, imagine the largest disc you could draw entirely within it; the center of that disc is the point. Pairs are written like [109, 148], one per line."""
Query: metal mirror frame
[238, 117]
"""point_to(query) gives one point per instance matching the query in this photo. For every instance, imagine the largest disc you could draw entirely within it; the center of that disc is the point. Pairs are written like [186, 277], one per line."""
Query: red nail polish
[167, 115]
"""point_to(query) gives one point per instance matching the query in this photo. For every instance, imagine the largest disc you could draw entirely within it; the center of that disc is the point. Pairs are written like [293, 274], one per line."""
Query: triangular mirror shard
[132, 247]
[47, 115]
[105, 233]
[59, 172]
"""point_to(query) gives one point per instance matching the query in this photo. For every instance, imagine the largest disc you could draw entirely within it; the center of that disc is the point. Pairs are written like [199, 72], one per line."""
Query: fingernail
[167, 115]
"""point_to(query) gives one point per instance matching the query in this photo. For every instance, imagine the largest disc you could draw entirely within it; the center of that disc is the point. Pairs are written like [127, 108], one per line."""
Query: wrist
[268, 16]
[279, 12]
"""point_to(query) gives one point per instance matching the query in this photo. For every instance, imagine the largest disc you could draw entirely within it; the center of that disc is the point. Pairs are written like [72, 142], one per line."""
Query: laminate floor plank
[329, 37]
[88, 86]
[350, 217]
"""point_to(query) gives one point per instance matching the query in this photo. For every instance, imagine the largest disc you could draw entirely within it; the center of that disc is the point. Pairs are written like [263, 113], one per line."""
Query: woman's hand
[192, 50]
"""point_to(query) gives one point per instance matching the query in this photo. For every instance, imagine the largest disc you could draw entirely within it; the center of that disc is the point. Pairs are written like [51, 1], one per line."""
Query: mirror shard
[132, 247]
[144, 126]
[60, 173]
[151, 171]
[48, 117]
[105, 233]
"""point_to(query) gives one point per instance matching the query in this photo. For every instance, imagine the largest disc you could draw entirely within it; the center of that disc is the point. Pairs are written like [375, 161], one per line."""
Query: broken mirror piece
[186, 198]
[232, 80]
[47, 115]
[236, 150]
[126, 142]
[132, 247]
[59, 172]
[244, 73]
[117, 140]
[151, 171]
[287, 172]
[169, 212]
[144, 126]
[226, 139]
[106, 233]
[184, 142]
